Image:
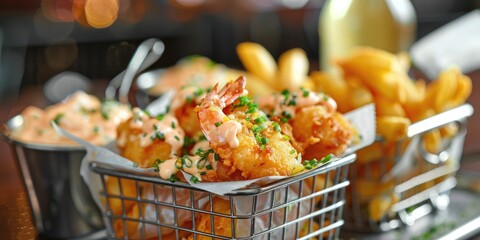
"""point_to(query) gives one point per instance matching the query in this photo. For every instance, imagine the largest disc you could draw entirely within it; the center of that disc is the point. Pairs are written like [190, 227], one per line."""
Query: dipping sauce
[80, 114]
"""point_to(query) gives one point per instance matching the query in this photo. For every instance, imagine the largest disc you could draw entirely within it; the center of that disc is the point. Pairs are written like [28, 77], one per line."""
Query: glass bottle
[385, 24]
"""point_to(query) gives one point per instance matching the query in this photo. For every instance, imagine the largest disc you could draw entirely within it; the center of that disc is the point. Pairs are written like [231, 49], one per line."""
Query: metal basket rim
[98, 168]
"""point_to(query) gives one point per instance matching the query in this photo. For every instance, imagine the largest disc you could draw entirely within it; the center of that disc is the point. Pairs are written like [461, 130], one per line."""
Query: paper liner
[363, 119]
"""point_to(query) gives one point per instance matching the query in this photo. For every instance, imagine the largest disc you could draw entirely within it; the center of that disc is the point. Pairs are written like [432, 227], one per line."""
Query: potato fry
[386, 107]
[432, 141]
[359, 96]
[381, 205]
[308, 84]
[392, 128]
[255, 86]
[369, 153]
[463, 91]
[445, 88]
[128, 190]
[131, 228]
[335, 87]
[258, 61]
[369, 59]
[449, 130]
[292, 68]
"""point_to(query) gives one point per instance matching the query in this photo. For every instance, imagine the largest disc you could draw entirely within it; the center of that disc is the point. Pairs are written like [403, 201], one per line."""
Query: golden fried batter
[144, 139]
[248, 143]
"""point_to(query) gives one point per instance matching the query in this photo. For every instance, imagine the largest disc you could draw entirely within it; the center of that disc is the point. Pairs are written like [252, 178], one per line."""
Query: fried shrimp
[311, 120]
[247, 143]
[145, 139]
[183, 105]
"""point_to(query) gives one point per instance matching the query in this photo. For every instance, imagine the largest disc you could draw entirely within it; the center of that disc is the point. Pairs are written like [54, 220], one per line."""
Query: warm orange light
[101, 13]
[78, 11]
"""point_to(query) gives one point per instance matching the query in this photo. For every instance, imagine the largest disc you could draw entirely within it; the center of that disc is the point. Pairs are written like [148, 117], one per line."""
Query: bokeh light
[61, 55]
[49, 30]
[101, 13]
[57, 10]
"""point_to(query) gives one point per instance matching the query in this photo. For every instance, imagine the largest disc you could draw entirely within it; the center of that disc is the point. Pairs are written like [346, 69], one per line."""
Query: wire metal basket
[143, 207]
[402, 182]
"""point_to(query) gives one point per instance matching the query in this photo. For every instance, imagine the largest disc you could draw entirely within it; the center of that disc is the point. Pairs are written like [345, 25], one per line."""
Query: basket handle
[148, 52]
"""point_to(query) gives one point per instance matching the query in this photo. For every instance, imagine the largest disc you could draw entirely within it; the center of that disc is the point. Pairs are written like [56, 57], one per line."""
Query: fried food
[128, 189]
[248, 144]
[192, 70]
[222, 226]
[317, 129]
[183, 105]
[145, 139]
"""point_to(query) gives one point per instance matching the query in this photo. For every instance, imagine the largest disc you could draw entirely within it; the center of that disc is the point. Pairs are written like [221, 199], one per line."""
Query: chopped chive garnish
[156, 165]
[217, 124]
[258, 128]
[57, 118]
[187, 161]
[194, 179]
[173, 178]
[292, 151]
[173, 125]
[260, 120]
[160, 117]
[276, 127]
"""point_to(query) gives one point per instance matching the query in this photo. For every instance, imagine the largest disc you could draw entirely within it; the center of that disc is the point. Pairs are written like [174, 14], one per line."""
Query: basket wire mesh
[405, 182]
[300, 207]
[286, 209]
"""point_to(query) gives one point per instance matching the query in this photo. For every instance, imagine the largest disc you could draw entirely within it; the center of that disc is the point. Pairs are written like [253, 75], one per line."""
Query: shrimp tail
[210, 110]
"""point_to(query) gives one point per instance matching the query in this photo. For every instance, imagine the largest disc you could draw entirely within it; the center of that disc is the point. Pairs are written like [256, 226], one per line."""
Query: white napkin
[455, 44]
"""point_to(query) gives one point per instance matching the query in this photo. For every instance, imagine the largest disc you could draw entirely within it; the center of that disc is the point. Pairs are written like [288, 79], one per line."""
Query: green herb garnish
[194, 179]
[57, 118]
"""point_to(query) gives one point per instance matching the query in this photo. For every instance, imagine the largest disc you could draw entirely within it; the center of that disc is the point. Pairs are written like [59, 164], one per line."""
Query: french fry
[432, 141]
[308, 84]
[449, 130]
[369, 153]
[445, 87]
[463, 91]
[392, 128]
[255, 86]
[370, 58]
[386, 107]
[128, 189]
[258, 61]
[335, 87]
[359, 96]
[292, 68]
[381, 205]
[131, 228]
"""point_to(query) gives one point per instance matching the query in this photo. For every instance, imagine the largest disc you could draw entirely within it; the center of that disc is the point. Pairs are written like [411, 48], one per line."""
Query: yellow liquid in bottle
[385, 24]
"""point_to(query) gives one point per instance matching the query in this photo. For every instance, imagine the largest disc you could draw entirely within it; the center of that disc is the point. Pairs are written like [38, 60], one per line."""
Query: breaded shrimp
[311, 120]
[183, 105]
[247, 143]
[145, 139]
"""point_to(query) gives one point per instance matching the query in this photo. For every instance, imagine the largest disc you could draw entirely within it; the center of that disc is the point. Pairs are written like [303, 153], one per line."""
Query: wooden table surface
[15, 216]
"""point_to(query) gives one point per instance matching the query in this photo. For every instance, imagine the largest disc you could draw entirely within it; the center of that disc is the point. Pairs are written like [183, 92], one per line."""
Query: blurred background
[40, 38]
